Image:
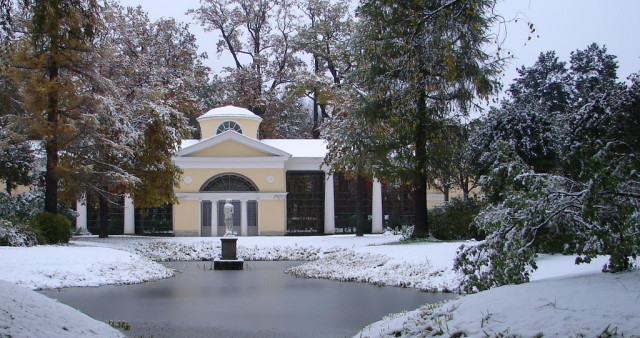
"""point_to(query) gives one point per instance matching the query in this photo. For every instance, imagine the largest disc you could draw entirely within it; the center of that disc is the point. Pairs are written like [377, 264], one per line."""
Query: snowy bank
[26, 313]
[285, 248]
[585, 305]
[424, 266]
[49, 267]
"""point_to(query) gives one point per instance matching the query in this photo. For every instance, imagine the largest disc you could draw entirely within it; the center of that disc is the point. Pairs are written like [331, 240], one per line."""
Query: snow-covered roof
[188, 143]
[230, 112]
[300, 147]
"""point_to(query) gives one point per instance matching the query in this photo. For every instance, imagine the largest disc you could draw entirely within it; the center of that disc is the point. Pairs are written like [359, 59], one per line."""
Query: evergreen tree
[421, 63]
[586, 202]
[49, 60]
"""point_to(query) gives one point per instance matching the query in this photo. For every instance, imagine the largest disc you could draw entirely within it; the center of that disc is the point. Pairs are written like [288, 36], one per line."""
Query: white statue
[228, 217]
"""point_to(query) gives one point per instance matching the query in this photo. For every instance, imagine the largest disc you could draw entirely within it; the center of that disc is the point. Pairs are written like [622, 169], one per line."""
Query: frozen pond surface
[260, 301]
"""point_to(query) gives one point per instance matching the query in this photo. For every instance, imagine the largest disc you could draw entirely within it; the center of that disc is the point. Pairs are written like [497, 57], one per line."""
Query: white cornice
[265, 162]
[243, 196]
[308, 163]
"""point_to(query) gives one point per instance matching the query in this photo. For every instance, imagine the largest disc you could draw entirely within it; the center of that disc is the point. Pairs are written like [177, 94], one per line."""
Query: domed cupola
[229, 118]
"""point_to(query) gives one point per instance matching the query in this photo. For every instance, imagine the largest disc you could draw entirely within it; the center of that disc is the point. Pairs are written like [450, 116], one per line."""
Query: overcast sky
[562, 25]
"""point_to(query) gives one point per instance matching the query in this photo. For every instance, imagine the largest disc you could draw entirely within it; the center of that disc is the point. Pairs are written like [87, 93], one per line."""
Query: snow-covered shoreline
[613, 300]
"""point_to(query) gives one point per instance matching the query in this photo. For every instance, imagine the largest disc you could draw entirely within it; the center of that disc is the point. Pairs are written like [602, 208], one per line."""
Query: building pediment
[231, 144]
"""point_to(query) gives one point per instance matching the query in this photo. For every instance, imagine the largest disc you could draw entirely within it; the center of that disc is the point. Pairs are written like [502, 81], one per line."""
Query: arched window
[229, 125]
[229, 182]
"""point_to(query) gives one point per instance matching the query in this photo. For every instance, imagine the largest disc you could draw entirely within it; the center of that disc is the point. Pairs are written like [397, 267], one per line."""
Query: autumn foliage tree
[107, 92]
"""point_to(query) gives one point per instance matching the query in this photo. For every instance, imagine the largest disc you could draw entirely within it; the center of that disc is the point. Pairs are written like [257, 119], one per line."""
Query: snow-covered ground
[591, 305]
[51, 267]
[25, 313]
[564, 299]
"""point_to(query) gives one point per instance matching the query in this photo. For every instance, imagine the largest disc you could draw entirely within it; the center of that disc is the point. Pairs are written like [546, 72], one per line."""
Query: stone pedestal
[229, 259]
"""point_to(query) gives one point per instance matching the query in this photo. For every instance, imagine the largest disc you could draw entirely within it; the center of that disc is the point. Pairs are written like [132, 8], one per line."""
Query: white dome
[229, 112]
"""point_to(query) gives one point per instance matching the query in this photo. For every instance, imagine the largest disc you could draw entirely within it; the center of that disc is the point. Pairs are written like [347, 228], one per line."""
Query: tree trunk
[421, 229]
[51, 147]
[360, 205]
[316, 116]
[445, 192]
[104, 216]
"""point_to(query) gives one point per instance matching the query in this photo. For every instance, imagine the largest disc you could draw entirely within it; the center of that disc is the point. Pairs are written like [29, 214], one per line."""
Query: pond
[260, 301]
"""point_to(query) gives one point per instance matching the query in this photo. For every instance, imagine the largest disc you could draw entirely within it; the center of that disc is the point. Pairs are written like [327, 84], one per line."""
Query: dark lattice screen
[116, 216]
[345, 191]
[397, 205]
[154, 221]
[305, 203]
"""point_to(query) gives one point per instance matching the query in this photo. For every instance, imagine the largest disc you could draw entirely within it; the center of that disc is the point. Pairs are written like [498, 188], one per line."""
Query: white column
[129, 216]
[81, 220]
[329, 210]
[214, 218]
[243, 218]
[376, 208]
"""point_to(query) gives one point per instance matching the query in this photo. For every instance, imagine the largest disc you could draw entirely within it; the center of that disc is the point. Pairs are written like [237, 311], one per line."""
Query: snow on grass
[49, 267]
[591, 305]
[249, 248]
[25, 313]
[424, 266]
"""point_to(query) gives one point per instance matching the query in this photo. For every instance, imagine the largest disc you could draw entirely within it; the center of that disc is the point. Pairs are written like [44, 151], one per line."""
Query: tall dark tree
[421, 63]
[543, 84]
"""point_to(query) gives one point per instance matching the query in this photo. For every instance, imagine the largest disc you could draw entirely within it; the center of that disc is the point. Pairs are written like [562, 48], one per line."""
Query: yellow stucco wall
[209, 126]
[272, 217]
[21, 189]
[185, 218]
[229, 149]
[257, 176]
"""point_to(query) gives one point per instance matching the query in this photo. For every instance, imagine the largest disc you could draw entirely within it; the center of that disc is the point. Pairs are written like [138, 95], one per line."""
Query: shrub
[16, 233]
[454, 220]
[404, 231]
[53, 228]
[21, 206]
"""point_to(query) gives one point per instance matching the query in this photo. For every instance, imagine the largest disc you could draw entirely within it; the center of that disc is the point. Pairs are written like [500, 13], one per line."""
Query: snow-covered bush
[547, 212]
[15, 233]
[405, 231]
[21, 206]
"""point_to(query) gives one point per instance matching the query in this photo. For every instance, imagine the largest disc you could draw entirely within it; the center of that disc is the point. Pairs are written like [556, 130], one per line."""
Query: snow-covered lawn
[592, 305]
[564, 299]
[25, 313]
[51, 267]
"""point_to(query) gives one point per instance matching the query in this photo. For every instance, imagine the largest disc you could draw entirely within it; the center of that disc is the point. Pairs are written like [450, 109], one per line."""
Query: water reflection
[258, 301]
